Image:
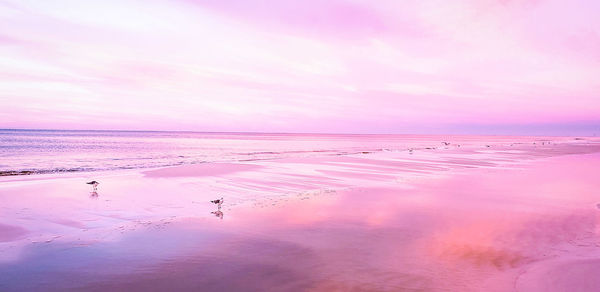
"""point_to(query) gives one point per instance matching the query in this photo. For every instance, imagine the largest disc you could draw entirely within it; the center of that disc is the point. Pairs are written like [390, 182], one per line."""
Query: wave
[41, 171]
[232, 157]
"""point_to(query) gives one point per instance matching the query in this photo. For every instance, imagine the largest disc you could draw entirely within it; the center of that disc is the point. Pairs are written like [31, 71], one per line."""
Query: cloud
[319, 66]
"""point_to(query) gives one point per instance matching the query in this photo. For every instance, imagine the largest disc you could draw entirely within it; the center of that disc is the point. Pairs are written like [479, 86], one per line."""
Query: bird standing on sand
[219, 202]
[94, 184]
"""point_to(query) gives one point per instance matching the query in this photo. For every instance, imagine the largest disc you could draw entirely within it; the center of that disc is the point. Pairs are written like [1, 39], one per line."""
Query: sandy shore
[500, 218]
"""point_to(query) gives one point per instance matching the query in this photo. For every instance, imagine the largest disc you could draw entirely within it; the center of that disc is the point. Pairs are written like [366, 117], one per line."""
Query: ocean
[25, 152]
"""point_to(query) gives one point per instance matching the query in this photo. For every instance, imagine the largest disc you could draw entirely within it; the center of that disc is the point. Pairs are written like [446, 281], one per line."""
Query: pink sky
[473, 66]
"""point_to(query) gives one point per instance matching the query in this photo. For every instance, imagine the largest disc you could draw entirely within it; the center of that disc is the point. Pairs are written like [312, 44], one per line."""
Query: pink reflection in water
[481, 229]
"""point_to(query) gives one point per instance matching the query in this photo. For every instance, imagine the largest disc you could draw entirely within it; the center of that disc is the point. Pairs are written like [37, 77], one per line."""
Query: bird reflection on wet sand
[218, 213]
[93, 195]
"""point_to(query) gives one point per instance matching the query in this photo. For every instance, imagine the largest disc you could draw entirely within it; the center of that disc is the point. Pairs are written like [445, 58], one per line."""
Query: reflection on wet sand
[474, 231]
[93, 195]
[218, 214]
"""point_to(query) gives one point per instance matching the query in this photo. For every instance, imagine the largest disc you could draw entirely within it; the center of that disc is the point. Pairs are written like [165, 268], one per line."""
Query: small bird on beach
[94, 184]
[219, 202]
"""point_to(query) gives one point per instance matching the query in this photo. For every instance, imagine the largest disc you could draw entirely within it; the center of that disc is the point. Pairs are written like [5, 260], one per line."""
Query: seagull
[219, 202]
[94, 184]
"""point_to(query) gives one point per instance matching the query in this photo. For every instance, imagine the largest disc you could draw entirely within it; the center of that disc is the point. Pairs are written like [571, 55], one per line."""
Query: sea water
[52, 151]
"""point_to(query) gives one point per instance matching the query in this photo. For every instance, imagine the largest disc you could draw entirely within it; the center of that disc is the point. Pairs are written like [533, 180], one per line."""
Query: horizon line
[286, 133]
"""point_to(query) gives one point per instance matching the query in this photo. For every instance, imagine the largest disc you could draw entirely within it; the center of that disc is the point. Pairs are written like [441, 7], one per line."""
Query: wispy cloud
[325, 66]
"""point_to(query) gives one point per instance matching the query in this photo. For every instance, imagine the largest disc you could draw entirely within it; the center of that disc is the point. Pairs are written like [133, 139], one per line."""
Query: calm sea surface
[50, 151]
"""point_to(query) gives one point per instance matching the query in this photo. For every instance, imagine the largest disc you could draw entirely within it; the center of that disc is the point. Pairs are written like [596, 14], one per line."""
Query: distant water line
[24, 152]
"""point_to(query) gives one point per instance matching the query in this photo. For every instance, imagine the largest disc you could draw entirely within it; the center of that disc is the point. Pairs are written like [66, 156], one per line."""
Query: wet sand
[500, 218]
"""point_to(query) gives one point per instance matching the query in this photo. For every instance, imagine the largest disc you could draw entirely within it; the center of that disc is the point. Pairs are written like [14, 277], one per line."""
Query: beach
[457, 214]
[301, 146]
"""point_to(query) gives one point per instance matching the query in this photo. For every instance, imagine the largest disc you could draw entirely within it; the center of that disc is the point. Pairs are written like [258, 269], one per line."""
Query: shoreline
[515, 142]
